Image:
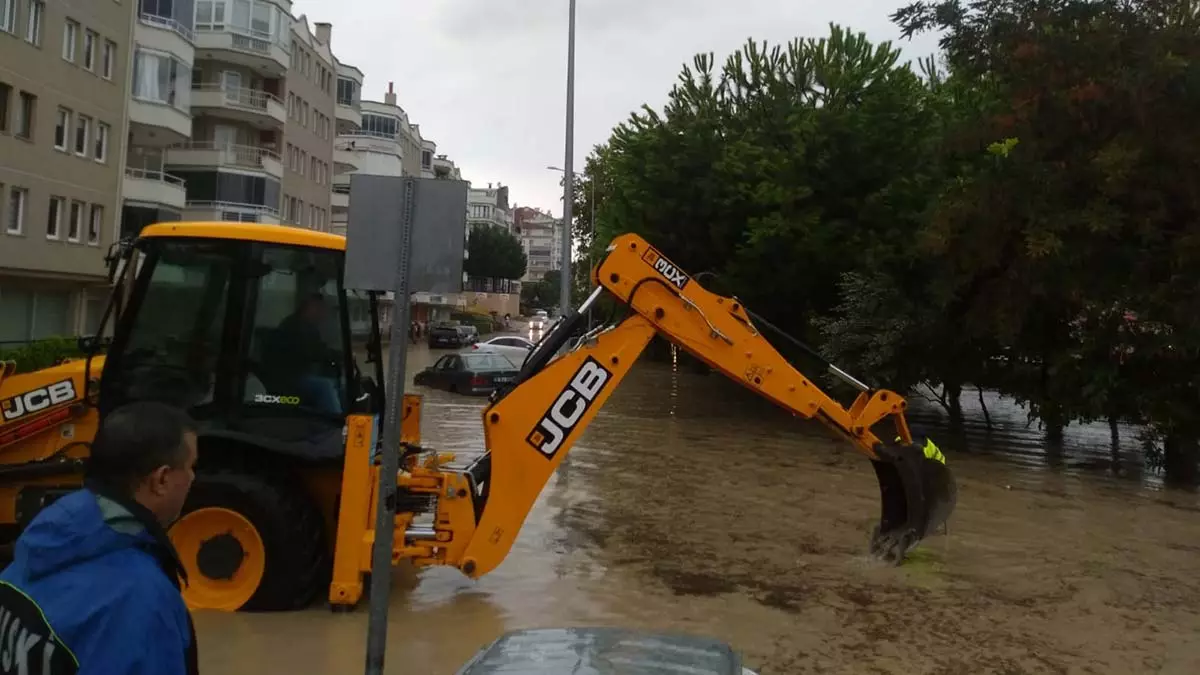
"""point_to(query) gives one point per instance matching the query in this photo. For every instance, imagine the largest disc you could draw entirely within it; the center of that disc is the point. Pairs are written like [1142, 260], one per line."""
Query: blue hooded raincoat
[105, 581]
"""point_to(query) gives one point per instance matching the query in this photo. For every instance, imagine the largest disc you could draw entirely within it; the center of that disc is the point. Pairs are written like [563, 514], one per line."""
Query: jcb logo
[568, 409]
[37, 400]
[278, 400]
[666, 269]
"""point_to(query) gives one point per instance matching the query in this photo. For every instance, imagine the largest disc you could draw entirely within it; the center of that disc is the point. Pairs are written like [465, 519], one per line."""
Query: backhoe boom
[530, 427]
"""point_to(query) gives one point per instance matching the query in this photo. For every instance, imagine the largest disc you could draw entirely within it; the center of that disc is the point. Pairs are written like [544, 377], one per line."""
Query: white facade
[489, 206]
[541, 236]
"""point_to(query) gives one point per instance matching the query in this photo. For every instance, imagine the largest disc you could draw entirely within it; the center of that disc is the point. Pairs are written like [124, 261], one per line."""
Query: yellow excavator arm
[530, 426]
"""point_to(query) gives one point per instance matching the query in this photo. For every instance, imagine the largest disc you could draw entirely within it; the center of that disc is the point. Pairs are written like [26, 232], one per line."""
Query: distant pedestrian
[94, 586]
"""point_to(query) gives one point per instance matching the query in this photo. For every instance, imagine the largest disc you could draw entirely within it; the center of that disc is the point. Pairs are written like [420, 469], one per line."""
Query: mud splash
[690, 507]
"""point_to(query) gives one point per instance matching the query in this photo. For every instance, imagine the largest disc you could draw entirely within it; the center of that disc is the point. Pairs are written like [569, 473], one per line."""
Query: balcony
[157, 117]
[165, 34]
[340, 198]
[345, 159]
[153, 187]
[230, 212]
[348, 116]
[252, 106]
[372, 143]
[253, 50]
[209, 154]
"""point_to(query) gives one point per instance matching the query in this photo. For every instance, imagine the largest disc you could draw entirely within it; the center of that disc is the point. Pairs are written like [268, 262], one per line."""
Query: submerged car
[603, 651]
[469, 373]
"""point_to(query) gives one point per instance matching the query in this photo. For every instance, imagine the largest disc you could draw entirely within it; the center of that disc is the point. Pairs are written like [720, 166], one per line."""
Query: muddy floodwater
[690, 506]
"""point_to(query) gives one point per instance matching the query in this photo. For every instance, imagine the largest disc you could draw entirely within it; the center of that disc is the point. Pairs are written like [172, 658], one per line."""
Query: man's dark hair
[136, 439]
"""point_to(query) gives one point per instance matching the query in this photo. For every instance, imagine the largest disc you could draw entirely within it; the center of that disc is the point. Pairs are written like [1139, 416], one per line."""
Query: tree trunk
[987, 417]
[1052, 420]
[954, 405]
[1114, 440]
[1181, 459]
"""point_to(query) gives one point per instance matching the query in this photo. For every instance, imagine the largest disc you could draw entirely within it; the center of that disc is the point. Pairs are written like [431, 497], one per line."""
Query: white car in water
[540, 320]
[515, 347]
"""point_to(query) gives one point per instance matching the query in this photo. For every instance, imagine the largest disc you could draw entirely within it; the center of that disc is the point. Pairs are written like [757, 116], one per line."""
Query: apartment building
[309, 132]
[541, 237]
[377, 138]
[162, 48]
[347, 124]
[489, 206]
[64, 73]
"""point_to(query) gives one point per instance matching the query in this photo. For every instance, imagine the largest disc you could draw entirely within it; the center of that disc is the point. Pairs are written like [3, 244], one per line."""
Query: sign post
[388, 215]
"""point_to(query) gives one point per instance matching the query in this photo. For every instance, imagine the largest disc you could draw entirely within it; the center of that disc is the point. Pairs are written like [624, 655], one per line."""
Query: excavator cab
[252, 337]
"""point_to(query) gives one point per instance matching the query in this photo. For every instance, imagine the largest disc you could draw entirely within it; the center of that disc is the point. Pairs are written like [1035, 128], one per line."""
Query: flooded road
[691, 506]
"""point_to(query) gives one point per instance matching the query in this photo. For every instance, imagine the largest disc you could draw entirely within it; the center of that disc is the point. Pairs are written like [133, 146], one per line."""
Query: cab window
[297, 349]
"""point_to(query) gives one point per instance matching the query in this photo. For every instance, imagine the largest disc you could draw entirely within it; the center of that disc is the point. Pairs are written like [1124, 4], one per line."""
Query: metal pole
[385, 517]
[592, 239]
[564, 296]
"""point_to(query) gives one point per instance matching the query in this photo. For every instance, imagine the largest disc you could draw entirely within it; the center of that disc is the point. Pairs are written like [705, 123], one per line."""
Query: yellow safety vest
[931, 451]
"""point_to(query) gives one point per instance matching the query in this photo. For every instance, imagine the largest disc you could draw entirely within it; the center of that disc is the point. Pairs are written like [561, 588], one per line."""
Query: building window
[61, 128]
[26, 108]
[106, 63]
[33, 315]
[210, 15]
[94, 224]
[380, 126]
[101, 150]
[176, 15]
[5, 99]
[89, 50]
[161, 78]
[83, 125]
[347, 92]
[75, 224]
[426, 158]
[70, 35]
[17, 198]
[33, 27]
[54, 217]
[8, 15]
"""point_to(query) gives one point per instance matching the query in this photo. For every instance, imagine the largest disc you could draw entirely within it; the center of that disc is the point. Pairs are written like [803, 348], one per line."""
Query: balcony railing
[257, 209]
[250, 156]
[149, 174]
[167, 23]
[247, 40]
[242, 97]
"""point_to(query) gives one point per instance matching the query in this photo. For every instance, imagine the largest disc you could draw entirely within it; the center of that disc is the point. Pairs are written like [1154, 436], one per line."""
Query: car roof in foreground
[602, 651]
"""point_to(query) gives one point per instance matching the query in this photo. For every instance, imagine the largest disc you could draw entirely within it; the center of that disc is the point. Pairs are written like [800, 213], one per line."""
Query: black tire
[291, 528]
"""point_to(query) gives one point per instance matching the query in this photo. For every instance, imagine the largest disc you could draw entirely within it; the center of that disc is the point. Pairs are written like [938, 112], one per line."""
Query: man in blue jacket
[93, 588]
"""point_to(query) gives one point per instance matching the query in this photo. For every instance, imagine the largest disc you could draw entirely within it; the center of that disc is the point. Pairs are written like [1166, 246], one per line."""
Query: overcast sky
[486, 79]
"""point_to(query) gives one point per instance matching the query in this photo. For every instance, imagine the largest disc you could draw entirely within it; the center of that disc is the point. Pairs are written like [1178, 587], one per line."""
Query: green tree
[1090, 220]
[779, 172]
[493, 253]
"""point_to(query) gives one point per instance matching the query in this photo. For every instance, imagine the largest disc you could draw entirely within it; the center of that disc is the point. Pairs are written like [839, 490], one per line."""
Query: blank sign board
[436, 210]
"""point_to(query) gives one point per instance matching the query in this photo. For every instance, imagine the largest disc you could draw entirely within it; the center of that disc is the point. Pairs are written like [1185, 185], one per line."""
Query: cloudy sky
[486, 79]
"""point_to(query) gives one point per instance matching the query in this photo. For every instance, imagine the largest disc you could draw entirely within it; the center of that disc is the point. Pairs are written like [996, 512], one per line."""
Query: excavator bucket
[918, 495]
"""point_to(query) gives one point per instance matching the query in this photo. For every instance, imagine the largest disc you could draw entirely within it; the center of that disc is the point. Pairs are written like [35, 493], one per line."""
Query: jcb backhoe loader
[207, 316]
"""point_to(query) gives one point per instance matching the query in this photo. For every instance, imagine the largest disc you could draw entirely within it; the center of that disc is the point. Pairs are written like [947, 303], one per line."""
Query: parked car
[516, 348]
[446, 335]
[470, 333]
[469, 373]
[603, 651]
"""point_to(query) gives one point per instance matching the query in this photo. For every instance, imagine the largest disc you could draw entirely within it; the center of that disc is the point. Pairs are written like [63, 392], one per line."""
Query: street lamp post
[564, 300]
[591, 224]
